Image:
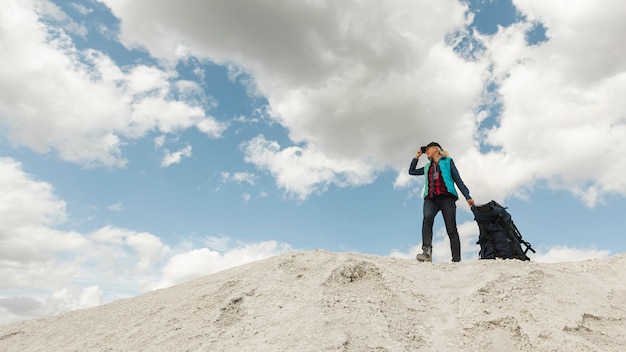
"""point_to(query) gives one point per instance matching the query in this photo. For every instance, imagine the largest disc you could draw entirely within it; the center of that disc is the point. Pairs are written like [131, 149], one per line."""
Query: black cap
[431, 144]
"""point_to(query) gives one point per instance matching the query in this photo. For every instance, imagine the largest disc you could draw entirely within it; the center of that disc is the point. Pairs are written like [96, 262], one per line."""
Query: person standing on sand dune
[439, 195]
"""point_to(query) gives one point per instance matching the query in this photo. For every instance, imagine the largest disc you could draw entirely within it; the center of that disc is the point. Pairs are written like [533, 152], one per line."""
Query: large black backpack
[499, 237]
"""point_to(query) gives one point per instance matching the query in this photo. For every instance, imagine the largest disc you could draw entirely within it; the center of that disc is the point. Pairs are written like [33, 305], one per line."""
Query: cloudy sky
[145, 143]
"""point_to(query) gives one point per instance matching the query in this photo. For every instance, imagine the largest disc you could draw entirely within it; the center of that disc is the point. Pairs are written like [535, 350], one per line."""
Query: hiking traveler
[439, 195]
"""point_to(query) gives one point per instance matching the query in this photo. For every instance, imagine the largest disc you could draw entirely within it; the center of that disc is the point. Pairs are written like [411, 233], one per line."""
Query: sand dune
[326, 301]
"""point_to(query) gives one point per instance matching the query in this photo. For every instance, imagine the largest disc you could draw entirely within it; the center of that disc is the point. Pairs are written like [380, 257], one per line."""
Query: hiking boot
[427, 256]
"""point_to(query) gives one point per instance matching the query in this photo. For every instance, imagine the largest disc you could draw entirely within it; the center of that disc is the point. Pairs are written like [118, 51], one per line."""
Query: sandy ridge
[327, 301]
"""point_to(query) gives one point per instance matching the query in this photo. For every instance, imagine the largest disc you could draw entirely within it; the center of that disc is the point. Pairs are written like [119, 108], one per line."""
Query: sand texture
[327, 301]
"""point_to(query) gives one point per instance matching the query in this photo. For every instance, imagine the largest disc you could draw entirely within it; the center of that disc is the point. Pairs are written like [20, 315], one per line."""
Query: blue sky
[144, 144]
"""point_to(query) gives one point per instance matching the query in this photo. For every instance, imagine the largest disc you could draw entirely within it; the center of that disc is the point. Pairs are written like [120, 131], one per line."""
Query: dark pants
[447, 206]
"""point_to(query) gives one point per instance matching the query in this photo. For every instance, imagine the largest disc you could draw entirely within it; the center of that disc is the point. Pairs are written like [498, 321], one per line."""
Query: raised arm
[412, 168]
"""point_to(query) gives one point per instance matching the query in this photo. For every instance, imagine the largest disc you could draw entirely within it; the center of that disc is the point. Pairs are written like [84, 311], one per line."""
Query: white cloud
[175, 158]
[220, 244]
[91, 296]
[25, 201]
[568, 254]
[360, 92]
[81, 104]
[115, 250]
[204, 261]
[28, 208]
[119, 206]
[148, 248]
[358, 87]
[239, 177]
[561, 100]
[159, 142]
[19, 308]
[302, 171]
[33, 255]
[84, 10]
[211, 127]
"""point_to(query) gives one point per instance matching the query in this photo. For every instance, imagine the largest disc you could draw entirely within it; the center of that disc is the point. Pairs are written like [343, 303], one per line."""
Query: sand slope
[326, 301]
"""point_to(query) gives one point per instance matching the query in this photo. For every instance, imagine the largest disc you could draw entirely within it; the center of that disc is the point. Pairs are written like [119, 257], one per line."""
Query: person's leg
[448, 209]
[430, 210]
